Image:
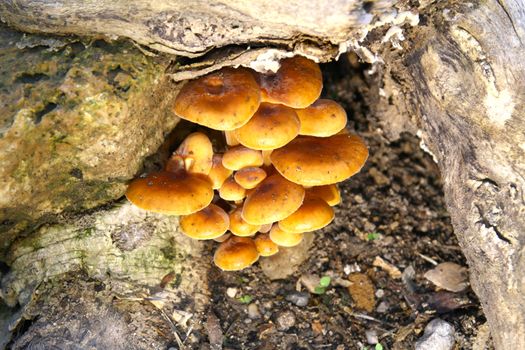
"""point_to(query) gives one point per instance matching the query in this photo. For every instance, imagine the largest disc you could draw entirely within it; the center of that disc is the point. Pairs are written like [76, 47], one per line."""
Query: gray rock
[298, 298]
[285, 320]
[438, 335]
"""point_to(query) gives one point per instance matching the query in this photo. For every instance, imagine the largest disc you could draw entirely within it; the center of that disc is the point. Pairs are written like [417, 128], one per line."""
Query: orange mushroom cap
[179, 193]
[231, 190]
[223, 100]
[239, 227]
[313, 214]
[274, 199]
[271, 127]
[322, 119]
[239, 157]
[265, 246]
[236, 253]
[249, 177]
[316, 161]
[197, 152]
[297, 83]
[329, 193]
[218, 173]
[285, 239]
[208, 223]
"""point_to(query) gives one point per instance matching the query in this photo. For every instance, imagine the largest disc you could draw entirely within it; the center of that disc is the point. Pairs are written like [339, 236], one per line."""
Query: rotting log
[457, 81]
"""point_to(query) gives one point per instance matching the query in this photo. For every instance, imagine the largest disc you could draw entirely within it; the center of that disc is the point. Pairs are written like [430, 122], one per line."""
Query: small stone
[359, 199]
[380, 293]
[438, 335]
[382, 307]
[231, 292]
[285, 320]
[253, 311]
[371, 336]
[298, 298]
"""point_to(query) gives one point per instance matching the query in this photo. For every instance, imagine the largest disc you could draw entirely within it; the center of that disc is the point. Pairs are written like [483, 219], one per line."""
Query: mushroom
[329, 193]
[172, 193]
[271, 127]
[239, 227]
[209, 223]
[322, 119]
[249, 177]
[223, 100]
[239, 157]
[218, 173]
[297, 83]
[232, 191]
[197, 152]
[272, 200]
[316, 161]
[235, 254]
[313, 214]
[285, 239]
[265, 246]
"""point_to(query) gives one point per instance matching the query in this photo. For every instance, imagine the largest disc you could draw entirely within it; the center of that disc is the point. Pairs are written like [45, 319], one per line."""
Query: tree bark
[458, 83]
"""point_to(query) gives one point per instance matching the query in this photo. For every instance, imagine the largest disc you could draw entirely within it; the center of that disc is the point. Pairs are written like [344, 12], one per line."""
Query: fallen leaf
[449, 276]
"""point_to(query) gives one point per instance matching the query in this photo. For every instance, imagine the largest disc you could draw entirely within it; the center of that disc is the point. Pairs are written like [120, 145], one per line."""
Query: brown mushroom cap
[218, 173]
[322, 119]
[239, 157]
[316, 161]
[274, 199]
[265, 246]
[208, 223]
[285, 239]
[223, 100]
[297, 83]
[249, 177]
[231, 190]
[329, 193]
[271, 127]
[235, 254]
[197, 152]
[313, 214]
[179, 193]
[239, 227]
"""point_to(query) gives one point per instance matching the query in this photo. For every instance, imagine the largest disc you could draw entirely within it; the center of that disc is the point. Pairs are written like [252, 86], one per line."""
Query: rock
[285, 320]
[382, 307]
[286, 262]
[298, 298]
[371, 336]
[231, 292]
[253, 311]
[76, 123]
[438, 335]
[449, 276]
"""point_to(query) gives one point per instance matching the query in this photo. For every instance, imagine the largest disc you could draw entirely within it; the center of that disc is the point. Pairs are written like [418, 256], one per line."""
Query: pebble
[371, 336]
[382, 307]
[231, 292]
[438, 335]
[380, 293]
[298, 298]
[253, 311]
[285, 320]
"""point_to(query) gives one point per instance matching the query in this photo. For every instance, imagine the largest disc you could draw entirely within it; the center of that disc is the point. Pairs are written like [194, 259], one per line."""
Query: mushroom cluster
[277, 178]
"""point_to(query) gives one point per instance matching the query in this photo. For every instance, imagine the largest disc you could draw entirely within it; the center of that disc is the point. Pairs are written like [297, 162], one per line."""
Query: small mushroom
[197, 152]
[232, 191]
[236, 253]
[285, 239]
[223, 100]
[209, 223]
[265, 246]
[313, 214]
[316, 161]
[249, 177]
[271, 127]
[297, 83]
[272, 200]
[322, 119]
[239, 227]
[218, 173]
[239, 157]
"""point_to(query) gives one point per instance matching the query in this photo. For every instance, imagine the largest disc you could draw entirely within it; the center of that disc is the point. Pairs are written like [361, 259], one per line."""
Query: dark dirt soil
[393, 209]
